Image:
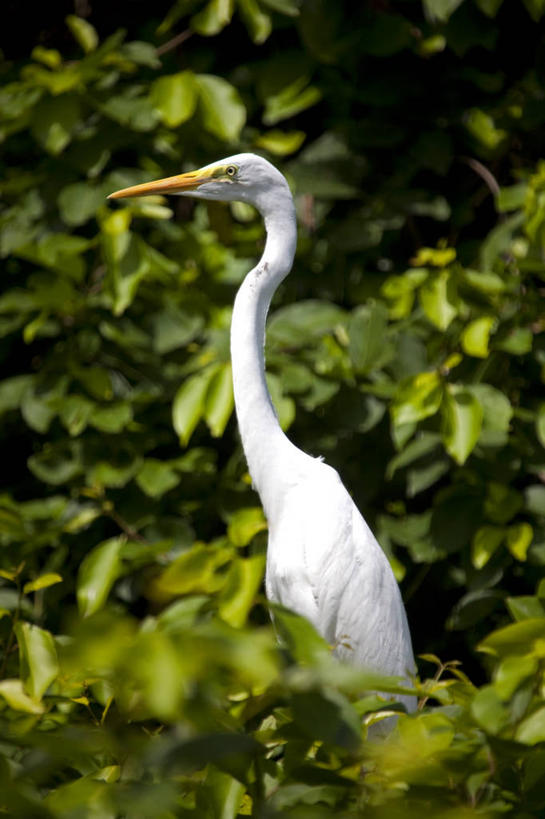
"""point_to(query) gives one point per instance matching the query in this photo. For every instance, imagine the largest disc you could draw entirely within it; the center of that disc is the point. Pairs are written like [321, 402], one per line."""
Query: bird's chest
[287, 570]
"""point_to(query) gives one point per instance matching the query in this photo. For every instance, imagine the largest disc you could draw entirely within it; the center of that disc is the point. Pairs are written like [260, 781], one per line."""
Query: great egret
[323, 561]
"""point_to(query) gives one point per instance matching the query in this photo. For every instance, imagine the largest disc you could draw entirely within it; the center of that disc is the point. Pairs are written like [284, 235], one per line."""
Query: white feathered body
[324, 563]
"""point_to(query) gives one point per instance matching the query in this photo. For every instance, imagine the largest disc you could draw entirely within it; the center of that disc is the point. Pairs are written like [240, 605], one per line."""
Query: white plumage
[323, 561]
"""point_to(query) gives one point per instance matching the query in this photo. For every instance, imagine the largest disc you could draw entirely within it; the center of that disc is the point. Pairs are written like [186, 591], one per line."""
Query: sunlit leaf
[189, 403]
[42, 582]
[281, 143]
[12, 691]
[223, 112]
[485, 542]
[417, 398]
[439, 299]
[462, 417]
[98, 572]
[291, 100]
[83, 32]
[175, 97]
[215, 15]
[37, 657]
[244, 524]
[156, 477]
[257, 21]
[476, 336]
[519, 538]
[242, 583]
[219, 402]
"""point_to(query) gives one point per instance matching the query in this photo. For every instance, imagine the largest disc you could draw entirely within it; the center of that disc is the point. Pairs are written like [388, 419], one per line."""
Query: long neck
[262, 438]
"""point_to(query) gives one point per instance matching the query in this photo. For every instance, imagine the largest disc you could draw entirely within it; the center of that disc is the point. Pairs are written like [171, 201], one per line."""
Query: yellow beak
[171, 184]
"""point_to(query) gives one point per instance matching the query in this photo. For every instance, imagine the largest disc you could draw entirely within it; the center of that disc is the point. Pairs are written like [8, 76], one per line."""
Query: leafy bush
[140, 675]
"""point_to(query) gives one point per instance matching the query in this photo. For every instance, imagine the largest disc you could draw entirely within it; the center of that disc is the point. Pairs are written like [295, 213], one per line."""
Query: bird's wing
[325, 563]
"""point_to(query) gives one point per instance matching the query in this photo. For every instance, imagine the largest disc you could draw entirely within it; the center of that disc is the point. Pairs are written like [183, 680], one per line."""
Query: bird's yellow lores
[323, 561]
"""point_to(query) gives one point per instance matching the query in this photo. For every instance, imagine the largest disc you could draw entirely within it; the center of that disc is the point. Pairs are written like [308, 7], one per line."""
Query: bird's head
[242, 178]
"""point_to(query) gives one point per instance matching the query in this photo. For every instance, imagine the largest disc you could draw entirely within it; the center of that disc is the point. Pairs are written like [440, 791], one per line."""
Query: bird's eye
[231, 170]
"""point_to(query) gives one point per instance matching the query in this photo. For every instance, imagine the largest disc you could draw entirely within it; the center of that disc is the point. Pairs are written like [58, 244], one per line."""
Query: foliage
[140, 675]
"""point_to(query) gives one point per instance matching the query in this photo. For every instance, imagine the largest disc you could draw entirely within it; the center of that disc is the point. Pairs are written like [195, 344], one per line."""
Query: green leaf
[489, 711]
[502, 502]
[327, 716]
[79, 202]
[156, 477]
[532, 729]
[511, 672]
[525, 607]
[37, 411]
[299, 636]
[511, 198]
[37, 657]
[482, 127]
[12, 391]
[213, 18]
[417, 398]
[283, 404]
[174, 328]
[14, 694]
[499, 241]
[58, 464]
[476, 336]
[295, 97]
[54, 122]
[517, 639]
[489, 7]
[141, 53]
[462, 417]
[83, 32]
[223, 112]
[113, 418]
[219, 402]
[189, 403]
[302, 323]
[42, 582]
[244, 524]
[243, 581]
[439, 299]
[175, 97]
[485, 543]
[518, 341]
[367, 334]
[288, 7]
[257, 22]
[441, 9]
[281, 143]
[195, 571]
[497, 414]
[224, 792]
[534, 499]
[98, 572]
[75, 412]
[519, 538]
[536, 8]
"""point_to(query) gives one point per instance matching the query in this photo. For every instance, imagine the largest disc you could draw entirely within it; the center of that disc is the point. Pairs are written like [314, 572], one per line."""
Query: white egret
[323, 561]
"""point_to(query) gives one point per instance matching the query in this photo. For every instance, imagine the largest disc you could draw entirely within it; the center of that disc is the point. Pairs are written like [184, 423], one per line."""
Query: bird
[323, 562]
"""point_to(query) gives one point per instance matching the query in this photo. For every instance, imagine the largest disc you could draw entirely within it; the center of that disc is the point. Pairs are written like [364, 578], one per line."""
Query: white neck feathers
[262, 438]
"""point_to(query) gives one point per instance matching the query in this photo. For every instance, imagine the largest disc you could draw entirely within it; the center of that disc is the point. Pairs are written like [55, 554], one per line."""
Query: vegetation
[140, 674]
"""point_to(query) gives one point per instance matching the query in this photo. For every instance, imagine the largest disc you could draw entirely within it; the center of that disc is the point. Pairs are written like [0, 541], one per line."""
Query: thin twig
[174, 42]
[487, 176]
[129, 530]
